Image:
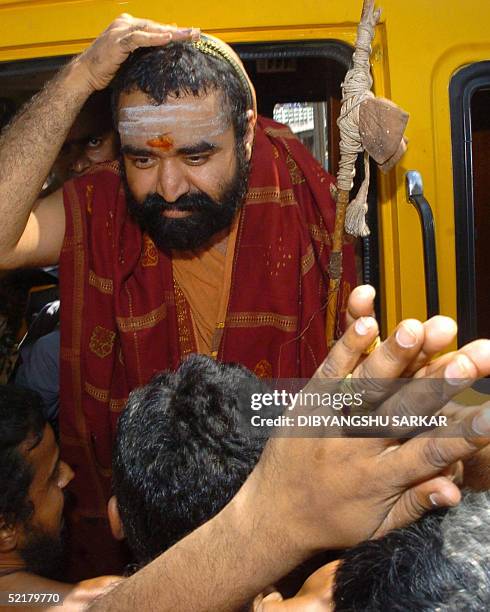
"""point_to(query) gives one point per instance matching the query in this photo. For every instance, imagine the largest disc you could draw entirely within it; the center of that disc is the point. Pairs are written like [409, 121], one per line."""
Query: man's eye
[196, 160]
[143, 162]
[94, 142]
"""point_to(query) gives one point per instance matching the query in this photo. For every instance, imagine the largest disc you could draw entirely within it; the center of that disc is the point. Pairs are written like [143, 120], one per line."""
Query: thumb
[262, 603]
[436, 493]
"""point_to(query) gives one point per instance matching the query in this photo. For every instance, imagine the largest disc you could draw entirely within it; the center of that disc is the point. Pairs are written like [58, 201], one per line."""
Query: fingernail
[405, 336]
[435, 500]
[363, 325]
[366, 291]
[481, 423]
[195, 34]
[457, 372]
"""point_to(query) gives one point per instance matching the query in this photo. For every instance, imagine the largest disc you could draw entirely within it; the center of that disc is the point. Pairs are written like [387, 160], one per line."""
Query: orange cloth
[204, 278]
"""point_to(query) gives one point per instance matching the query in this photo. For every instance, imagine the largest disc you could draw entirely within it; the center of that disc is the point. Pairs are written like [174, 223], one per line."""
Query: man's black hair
[180, 69]
[21, 421]
[441, 562]
[182, 451]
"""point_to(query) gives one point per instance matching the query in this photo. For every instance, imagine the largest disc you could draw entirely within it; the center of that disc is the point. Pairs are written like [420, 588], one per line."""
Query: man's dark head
[186, 127]
[32, 478]
[91, 140]
[182, 451]
[440, 563]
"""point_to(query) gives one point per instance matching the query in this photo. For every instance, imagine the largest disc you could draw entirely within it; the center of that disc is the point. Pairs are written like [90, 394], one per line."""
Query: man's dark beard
[208, 216]
[44, 554]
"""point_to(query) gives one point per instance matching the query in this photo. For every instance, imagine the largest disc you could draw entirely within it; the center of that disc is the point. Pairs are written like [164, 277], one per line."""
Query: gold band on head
[217, 48]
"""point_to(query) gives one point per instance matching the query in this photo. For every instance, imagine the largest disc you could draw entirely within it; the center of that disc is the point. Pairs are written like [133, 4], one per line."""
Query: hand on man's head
[124, 35]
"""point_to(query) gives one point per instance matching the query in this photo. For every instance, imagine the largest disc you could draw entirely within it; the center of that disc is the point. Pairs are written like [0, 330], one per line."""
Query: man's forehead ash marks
[149, 120]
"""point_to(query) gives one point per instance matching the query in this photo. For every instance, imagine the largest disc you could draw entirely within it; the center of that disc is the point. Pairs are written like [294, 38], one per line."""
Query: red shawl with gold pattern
[123, 319]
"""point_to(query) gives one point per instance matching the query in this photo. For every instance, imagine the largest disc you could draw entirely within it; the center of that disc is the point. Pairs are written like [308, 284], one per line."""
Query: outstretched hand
[125, 34]
[342, 490]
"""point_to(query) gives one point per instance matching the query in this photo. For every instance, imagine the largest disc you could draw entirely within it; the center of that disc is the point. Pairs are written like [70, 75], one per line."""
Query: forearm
[220, 566]
[30, 145]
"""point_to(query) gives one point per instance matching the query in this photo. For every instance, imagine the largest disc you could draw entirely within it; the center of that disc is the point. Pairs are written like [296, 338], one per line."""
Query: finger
[478, 352]
[425, 456]
[379, 373]
[439, 332]
[438, 492]
[360, 303]
[453, 411]
[305, 603]
[137, 39]
[145, 35]
[425, 396]
[346, 352]
[130, 23]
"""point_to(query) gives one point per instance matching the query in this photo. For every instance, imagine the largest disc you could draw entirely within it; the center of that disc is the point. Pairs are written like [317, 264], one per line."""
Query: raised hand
[125, 34]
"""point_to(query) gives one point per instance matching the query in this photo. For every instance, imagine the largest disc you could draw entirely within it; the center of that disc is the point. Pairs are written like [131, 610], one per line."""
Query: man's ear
[248, 139]
[115, 519]
[9, 537]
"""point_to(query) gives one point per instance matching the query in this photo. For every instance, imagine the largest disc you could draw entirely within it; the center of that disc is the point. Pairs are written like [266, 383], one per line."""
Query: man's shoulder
[288, 146]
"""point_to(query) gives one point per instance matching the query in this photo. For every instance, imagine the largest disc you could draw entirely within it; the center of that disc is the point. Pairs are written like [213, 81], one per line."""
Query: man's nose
[172, 180]
[80, 164]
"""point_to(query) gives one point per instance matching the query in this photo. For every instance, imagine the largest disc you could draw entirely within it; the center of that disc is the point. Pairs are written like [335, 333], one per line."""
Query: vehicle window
[470, 119]
[299, 84]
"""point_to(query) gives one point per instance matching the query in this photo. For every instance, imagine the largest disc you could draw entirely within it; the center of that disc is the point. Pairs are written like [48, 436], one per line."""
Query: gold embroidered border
[137, 323]
[320, 234]
[79, 272]
[117, 405]
[259, 319]
[186, 335]
[264, 195]
[68, 243]
[110, 166]
[284, 132]
[104, 285]
[102, 395]
[307, 261]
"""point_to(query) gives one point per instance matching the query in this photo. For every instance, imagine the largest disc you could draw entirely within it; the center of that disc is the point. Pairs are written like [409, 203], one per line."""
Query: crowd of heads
[181, 454]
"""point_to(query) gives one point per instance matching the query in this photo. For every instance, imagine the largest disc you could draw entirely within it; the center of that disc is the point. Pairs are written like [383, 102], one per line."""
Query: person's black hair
[179, 69]
[21, 421]
[441, 562]
[182, 451]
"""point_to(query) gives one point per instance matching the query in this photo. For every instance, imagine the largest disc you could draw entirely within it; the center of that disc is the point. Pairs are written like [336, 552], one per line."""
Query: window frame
[463, 85]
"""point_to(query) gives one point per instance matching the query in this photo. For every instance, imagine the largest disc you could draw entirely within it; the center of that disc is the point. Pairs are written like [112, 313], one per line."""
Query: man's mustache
[188, 202]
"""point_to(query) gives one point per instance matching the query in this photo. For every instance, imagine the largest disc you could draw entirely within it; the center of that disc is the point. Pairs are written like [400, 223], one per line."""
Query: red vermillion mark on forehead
[161, 142]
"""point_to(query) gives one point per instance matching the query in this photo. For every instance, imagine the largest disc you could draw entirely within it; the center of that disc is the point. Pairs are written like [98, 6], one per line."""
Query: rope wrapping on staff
[355, 89]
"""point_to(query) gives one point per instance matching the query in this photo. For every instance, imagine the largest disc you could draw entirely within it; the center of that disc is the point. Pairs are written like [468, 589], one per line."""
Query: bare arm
[32, 234]
[310, 494]
[28, 149]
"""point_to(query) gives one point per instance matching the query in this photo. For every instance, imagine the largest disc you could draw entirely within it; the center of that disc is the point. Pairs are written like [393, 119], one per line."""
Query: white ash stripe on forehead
[152, 121]
[164, 112]
[149, 130]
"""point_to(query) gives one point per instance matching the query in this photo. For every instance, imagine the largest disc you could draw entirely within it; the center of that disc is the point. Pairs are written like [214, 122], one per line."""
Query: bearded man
[168, 254]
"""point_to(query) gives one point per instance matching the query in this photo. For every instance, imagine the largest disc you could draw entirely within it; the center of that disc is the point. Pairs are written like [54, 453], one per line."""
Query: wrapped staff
[369, 125]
